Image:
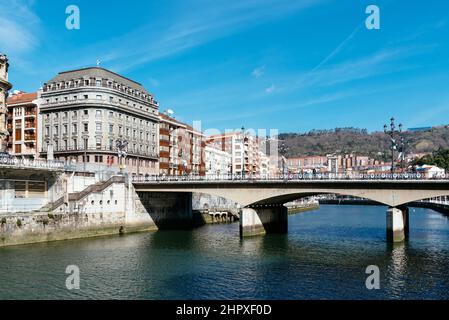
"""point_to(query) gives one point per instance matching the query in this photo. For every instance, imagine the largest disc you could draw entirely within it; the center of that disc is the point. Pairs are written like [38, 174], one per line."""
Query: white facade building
[218, 162]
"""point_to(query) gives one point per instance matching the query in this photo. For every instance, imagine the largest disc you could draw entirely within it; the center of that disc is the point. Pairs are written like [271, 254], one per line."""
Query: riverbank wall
[103, 208]
[303, 208]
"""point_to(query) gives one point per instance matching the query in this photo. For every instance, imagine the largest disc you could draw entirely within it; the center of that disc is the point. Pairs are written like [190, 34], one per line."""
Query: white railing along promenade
[13, 162]
[291, 177]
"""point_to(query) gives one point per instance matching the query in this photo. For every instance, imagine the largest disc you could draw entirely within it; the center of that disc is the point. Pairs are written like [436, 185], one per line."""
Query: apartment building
[309, 163]
[22, 125]
[5, 86]
[244, 149]
[330, 163]
[85, 112]
[218, 162]
[181, 148]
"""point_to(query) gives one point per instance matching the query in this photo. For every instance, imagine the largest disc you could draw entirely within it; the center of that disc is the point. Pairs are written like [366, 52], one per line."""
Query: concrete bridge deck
[262, 199]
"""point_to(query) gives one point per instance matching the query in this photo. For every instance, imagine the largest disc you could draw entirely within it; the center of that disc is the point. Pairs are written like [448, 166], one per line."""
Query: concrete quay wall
[108, 211]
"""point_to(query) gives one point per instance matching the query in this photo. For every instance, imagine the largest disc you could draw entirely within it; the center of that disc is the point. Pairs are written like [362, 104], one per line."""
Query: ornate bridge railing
[291, 177]
[13, 162]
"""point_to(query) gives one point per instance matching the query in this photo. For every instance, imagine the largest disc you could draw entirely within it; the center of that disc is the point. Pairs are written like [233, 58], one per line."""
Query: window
[74, 128]
[98, 113]
[75, 114]
[98, 143]
[86, 97]
[86, 144]
[86, 127]
[98, 127]
[111, 99]
[99, 159]
[98, 83]
[75, 97]
[111, 128]
[56, 131]
[111, 144]
[47, 131]
[86, 112]
[64, 129]
[99, 97]
[120, 130]
[86, 82]
[111, 114]
[75, 144]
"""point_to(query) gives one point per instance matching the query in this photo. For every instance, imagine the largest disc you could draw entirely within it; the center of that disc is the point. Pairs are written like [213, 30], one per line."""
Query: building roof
[167, 118]
[225, 135]
[21, 98]
[97, 72]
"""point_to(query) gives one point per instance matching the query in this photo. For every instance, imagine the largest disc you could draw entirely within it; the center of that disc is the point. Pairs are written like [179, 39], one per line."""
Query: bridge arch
[387, 197]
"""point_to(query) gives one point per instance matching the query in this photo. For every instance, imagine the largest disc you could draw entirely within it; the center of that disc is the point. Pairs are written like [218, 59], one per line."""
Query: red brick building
[22, 125]
[181, 148]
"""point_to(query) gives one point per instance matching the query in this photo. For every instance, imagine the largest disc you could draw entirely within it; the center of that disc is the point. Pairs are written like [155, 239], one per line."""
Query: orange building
[181, 148]
[22, 125]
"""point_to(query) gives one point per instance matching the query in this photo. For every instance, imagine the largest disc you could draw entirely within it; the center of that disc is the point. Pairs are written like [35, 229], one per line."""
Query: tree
[439, 158]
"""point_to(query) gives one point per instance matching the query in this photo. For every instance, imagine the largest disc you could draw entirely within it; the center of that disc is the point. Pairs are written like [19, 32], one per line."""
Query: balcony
[30, 125]
[30, 137]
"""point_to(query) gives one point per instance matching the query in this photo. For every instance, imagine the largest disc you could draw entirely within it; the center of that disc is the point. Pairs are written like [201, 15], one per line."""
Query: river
[323, 256]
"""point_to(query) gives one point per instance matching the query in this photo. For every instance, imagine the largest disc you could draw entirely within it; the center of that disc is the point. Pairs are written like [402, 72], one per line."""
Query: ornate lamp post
[121, 145]
[394, 145]
[283, 150]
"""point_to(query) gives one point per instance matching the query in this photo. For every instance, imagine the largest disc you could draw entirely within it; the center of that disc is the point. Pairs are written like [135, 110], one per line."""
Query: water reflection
[324, 256]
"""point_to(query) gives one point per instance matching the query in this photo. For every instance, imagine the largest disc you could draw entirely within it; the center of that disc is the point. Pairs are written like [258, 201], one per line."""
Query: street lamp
[121, 145]
[283, 150]
[394, 145]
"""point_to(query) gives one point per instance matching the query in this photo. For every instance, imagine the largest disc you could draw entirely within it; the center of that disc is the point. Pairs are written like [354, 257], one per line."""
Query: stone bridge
[262, 200]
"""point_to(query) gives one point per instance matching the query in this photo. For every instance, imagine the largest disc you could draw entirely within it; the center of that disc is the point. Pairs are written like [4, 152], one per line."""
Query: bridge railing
[19, 163]
[289, 177]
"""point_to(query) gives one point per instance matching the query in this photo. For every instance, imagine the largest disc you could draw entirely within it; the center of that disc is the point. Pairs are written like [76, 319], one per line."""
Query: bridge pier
[167, 210]
[397, 224]
[261, 220]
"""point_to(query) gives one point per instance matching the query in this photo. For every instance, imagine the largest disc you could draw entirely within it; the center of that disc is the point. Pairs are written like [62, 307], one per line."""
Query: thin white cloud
[18, 27]
[337, 49]
[385, 61]
[270, 89]
[198, 25]
[258, 72]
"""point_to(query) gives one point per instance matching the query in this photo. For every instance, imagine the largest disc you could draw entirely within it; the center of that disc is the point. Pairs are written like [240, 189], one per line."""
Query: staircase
[77, 196]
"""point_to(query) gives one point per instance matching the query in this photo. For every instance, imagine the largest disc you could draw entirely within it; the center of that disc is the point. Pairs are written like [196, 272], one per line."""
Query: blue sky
[283, 64]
